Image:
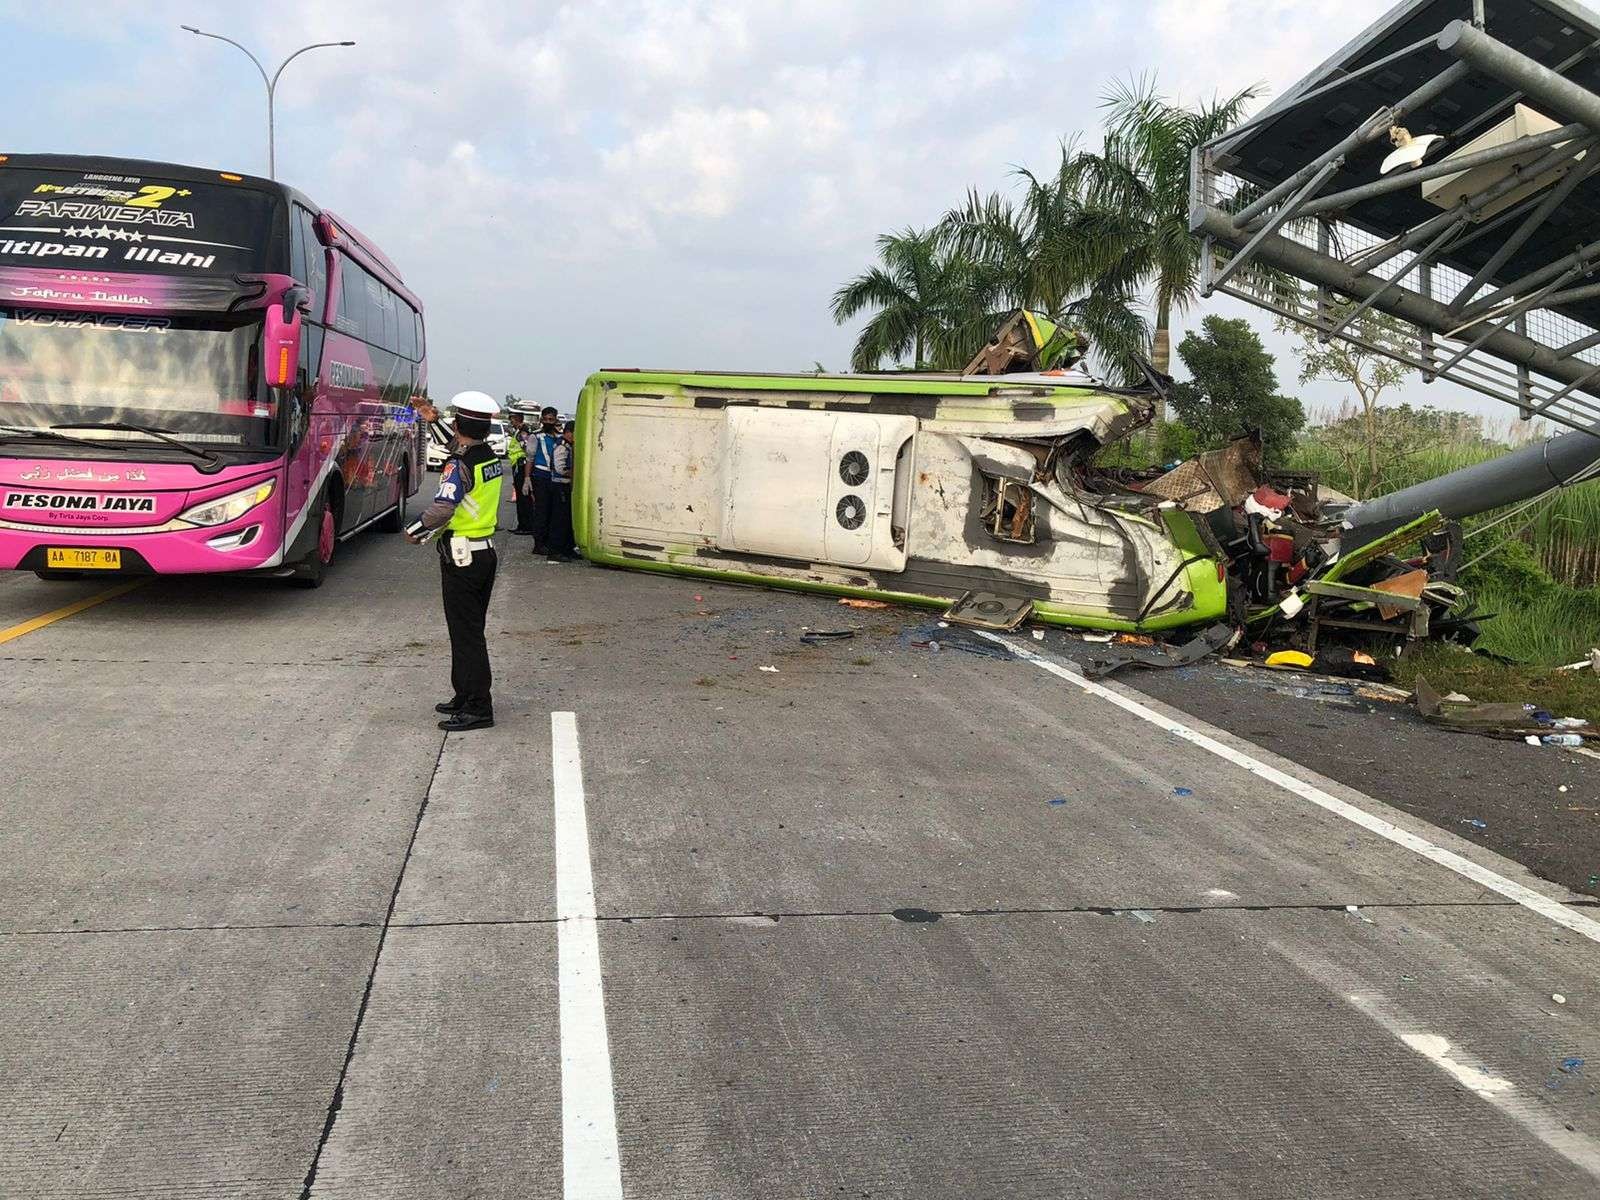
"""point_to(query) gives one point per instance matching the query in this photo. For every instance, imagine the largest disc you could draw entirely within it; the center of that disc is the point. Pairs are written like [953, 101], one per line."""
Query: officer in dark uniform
[464, 514]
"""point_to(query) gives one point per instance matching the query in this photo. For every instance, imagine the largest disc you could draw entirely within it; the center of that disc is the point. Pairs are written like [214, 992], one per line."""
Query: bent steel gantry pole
[1478, 333]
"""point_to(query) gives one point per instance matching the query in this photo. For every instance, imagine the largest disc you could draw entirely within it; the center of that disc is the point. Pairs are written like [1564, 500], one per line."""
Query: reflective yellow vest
[479, 511]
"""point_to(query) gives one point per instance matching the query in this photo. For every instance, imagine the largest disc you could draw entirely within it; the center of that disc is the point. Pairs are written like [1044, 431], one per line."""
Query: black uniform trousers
[466, 608]
[553, 518]
[542, 502]
[524, 503]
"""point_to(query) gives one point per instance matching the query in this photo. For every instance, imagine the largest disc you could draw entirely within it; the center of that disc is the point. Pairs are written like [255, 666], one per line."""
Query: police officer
[541, 462]
[466, 508]
[517, 456]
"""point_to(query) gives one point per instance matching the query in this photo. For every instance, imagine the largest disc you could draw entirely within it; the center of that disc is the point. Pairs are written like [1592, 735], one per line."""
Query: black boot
[448, 707]
[462, 721]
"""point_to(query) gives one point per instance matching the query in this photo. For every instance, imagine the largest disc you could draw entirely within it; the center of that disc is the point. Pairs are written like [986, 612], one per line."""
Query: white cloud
[643, 182]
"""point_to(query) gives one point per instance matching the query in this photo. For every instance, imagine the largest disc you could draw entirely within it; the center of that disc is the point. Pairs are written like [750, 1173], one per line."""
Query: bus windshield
[198, 378]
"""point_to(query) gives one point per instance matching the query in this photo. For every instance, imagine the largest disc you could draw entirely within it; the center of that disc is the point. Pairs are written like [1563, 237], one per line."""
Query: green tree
[1140, 180]
[919, 291]
[1369, 373]
[1040, 248]
[1234, 388]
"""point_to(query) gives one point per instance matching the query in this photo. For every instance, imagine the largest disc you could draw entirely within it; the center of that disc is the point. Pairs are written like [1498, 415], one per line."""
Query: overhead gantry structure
[1432, 193]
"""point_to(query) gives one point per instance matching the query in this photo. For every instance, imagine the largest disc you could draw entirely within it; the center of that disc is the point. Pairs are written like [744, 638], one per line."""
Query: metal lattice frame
[1287, 248]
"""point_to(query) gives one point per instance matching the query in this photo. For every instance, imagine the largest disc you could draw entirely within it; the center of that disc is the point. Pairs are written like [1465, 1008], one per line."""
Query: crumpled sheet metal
[1216, 479]
[1496, 719]
[1214, 639]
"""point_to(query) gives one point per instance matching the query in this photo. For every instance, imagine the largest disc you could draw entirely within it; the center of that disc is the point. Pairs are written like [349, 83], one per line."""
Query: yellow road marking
[61, 614]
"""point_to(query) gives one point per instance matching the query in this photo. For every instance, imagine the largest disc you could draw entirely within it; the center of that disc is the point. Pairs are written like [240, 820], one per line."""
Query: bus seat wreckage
[981, 492]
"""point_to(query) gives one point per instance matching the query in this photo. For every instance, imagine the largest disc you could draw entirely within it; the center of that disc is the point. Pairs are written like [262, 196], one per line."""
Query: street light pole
[271, 82]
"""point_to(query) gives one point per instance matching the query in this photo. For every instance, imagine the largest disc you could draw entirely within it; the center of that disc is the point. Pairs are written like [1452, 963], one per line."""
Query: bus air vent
[854, 469]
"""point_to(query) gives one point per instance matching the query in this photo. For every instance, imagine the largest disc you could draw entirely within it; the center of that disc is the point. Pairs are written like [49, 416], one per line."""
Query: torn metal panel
[985, 610]
[1216, 479]
[1216, 638]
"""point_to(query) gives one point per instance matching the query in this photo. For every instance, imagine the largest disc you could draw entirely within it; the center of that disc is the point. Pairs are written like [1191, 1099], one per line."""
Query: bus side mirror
[281, 340]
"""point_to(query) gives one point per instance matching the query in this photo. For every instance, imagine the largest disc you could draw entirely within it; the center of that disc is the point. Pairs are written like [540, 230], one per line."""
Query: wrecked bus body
[912, 488]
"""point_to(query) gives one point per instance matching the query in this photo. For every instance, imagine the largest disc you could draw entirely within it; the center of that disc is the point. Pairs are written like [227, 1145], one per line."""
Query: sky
[637, 182]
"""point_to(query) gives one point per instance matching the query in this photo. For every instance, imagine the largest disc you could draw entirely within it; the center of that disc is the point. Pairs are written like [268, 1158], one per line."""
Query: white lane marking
[1551, 910]
[1577, 1148]
[591, 1169]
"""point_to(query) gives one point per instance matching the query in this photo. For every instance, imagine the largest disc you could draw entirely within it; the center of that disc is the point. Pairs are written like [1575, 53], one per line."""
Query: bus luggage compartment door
[818, 487]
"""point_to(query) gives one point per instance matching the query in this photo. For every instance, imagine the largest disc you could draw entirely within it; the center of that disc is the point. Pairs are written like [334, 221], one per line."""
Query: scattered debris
[1476, 823]
[1138, 914]
[1499, 719]
[1098, 638]
[1289, 658]
[986, 610]
[813, 637]
[1355, 911]
[929, 637]
[1057, 802]
[852, 602]
[1559, 998]
[1038, 635]
[1592, 663]
[1182, 791]
[1217, 637]
[769, 670]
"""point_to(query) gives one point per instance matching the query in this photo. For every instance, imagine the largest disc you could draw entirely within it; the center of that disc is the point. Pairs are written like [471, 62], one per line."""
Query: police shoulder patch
[450, 480]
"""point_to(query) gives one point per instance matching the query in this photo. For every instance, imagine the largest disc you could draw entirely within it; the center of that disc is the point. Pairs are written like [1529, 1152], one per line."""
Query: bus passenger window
[407, 330]
[352, 299]
[316, 263]
[391, 322]
[297, 250]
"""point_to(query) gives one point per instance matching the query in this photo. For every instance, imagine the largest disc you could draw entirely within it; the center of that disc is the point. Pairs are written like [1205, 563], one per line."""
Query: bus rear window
[130, 223]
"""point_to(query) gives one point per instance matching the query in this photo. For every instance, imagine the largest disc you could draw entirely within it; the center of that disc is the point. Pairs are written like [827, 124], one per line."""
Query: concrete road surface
[879, 921]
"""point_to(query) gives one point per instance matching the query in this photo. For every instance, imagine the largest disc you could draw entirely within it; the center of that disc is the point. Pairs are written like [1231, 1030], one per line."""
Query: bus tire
[395, 521]
[310, 570]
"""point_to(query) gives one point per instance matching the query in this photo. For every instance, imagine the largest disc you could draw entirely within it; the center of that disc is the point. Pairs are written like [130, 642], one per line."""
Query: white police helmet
[475, 404]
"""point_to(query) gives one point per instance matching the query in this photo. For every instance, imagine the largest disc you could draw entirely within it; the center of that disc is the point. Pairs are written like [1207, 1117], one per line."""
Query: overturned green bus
[908, 488]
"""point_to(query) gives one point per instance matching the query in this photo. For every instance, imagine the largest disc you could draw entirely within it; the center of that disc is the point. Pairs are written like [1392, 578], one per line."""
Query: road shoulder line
[1212, 742]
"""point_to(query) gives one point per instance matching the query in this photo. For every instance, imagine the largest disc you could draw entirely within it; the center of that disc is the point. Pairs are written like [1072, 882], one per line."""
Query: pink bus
[199, 372]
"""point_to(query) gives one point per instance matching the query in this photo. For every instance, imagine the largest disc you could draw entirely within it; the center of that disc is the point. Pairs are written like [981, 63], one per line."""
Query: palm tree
[1142, 175]
[1045, 248]
[919, 291]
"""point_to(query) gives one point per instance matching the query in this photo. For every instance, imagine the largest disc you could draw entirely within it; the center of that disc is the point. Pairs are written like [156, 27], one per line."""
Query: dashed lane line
[62, 613]
[591, 1169]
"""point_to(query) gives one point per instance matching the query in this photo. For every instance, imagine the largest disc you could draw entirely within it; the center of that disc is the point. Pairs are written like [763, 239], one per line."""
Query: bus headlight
[228, 508]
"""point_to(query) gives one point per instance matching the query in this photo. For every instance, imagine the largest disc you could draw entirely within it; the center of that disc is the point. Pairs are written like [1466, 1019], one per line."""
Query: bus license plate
[82, 558]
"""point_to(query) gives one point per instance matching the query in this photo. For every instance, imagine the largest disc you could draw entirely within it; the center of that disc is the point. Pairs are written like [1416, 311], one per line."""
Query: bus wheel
[396, 520]
[309, 571]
